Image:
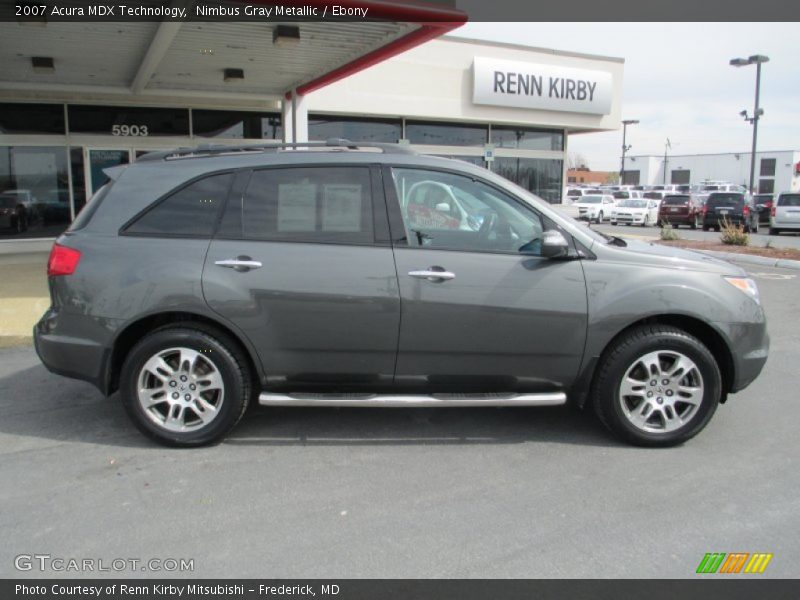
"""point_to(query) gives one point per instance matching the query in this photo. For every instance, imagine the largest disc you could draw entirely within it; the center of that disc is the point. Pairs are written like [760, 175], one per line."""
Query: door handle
[240, 263]
[435, 274]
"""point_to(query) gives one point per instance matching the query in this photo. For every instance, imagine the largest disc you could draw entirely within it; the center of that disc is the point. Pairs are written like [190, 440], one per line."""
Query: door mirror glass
[554, 244]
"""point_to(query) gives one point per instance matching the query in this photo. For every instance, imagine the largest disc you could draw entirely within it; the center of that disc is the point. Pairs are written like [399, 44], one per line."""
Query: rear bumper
[783, 225]
[65, 352]
[679, 219]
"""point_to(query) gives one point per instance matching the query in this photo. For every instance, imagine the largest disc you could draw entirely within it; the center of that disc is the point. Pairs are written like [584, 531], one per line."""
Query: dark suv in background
[734, 207]
[200, 280]
[681, 209]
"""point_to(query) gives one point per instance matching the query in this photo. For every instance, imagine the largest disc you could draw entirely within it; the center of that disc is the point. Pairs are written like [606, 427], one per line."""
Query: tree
[612, 178]
[576, 160]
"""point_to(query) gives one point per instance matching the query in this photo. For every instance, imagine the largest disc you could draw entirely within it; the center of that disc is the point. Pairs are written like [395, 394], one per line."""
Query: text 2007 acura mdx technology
[199, 280]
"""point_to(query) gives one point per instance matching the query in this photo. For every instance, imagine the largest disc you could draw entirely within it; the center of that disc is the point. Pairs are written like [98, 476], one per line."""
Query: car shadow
[38, 404]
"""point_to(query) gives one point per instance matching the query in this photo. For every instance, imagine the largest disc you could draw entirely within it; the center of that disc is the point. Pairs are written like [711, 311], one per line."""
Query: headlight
[745, 284]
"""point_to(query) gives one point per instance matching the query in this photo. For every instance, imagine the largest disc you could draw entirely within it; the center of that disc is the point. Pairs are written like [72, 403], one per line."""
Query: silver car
[785, 213]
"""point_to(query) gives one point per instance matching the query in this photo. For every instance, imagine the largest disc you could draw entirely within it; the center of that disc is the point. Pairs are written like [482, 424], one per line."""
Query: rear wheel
[600, 217]
[185, 385]
[695, 223]
[774, 231]
[657, 386]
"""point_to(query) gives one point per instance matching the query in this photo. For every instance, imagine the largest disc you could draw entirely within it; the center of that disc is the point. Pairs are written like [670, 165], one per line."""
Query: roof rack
[204, 150]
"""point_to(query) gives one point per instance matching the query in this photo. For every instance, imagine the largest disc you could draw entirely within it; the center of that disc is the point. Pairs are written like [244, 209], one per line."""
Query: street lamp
[624, 147]
[757, 60]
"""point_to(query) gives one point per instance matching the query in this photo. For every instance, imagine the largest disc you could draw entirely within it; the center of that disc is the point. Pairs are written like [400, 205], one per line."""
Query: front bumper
[632, 219]
[749, 346]
[66, 350]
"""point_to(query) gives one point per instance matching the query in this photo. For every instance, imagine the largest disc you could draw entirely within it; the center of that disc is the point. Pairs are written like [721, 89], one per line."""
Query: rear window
[653, 195]
[676, 200]
[85, 215]
[190, 211]
[734, 200]
[574, 193]
[621, 195]
[789, 200]
[7, 201]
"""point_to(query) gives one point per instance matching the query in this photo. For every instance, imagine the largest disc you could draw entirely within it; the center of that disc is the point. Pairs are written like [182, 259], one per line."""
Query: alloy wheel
[180, 389]
[661, 391]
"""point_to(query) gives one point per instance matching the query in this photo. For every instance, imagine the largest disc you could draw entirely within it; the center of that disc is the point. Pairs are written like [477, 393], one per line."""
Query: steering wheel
[487, 227]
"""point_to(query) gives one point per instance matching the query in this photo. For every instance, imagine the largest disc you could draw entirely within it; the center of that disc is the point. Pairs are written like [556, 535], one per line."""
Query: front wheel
[657, 386]
[185, 385]
[599, 217]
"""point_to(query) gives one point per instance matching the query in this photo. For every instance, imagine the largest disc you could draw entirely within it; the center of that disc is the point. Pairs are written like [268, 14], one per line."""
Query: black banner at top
[33, 11]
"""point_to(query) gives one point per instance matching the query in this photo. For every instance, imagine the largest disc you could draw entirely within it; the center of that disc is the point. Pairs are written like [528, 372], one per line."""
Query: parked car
[626, 194]
[681, 209]
[199, 280]
[785, 213]
[13, 213]
[764, 204]
[735, 207]
[635, 212]
[595, 207]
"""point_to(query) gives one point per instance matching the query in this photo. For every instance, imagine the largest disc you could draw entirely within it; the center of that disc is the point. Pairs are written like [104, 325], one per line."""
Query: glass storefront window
[354, 129]
[446, 134]
[34, 191]
[129, 121]
[537, 175]
[31, 118]
[527, 139]
[236, 124]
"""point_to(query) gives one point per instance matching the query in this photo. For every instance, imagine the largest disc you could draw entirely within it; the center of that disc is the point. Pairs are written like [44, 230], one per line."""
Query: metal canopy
[190, 58]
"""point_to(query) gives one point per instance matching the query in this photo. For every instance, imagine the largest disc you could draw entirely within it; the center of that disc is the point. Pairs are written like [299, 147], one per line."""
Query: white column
[300, 116]
[286, 120]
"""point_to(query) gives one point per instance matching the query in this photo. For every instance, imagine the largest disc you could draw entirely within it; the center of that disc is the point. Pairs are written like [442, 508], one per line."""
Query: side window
[308, 204]
[453, 212]
[191, 210]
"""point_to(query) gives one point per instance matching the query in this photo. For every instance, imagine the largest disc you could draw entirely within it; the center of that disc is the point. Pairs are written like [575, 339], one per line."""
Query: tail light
[772, 212]
[705, 210]
[746, 211]
[62, 261]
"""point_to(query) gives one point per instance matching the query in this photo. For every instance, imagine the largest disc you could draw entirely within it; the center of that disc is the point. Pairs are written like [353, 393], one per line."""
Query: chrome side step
[412, 400]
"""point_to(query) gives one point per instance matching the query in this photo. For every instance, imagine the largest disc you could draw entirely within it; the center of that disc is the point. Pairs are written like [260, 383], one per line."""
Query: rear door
[787, 211]
[482, 311]
[302, 264]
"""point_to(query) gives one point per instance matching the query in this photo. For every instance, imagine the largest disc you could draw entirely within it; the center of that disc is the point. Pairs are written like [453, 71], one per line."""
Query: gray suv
[199, 280]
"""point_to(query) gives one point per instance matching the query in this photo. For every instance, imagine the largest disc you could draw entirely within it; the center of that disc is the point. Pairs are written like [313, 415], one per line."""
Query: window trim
[377, 203]
[396, 215]
[123, 230]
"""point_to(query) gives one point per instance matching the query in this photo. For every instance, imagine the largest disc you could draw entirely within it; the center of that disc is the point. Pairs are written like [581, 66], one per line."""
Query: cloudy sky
[678, 82]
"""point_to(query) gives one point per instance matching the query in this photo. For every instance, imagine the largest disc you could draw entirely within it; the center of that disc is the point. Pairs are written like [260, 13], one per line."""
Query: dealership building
[78, 98]
[775, 172]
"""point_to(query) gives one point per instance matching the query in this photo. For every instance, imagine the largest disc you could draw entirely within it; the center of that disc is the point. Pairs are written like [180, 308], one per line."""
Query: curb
[783, 263]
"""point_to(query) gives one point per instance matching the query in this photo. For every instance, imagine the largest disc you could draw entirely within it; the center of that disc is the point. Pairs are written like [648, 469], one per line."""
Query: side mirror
[554, 244]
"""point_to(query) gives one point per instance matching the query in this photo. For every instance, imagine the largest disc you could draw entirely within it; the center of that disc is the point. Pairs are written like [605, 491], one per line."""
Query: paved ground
[405, 493]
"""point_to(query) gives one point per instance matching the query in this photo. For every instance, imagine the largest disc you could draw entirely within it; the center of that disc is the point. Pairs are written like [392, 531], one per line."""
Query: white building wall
[434, 82]
[732, 167]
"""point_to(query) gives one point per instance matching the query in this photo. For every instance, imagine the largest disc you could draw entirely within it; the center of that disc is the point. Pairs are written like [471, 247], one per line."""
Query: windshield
[633, 204]
[654, 195]
[621, 195]
[591, 199]
[7, 201]
[789, 200]
[675, 200]
[710, 188]
[574, 193]
[763, 197]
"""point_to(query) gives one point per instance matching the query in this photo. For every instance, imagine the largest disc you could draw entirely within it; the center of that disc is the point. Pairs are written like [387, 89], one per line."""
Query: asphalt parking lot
[405, 493]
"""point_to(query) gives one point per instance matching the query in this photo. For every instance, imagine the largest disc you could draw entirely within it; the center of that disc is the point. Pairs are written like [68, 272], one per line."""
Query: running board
[402, 400]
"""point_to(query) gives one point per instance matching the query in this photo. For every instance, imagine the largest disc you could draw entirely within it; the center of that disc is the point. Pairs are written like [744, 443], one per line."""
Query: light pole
[757, 60]
[625, 148]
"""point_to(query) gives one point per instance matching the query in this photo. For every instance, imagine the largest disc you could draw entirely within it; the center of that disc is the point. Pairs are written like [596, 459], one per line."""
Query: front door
[482, 311]
[302, 264]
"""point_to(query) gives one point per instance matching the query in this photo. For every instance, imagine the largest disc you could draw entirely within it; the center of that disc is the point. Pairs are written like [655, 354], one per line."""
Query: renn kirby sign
[543, 87]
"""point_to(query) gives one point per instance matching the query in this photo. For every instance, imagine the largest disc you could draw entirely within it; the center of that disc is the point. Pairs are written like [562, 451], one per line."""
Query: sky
[678, 83]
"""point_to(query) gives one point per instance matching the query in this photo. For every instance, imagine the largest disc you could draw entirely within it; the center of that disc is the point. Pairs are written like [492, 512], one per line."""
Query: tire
[600, 217]
[622, 358]
[746, 228]
[218, 364]
[694, 224]
[706, 228]
[755, 227]
[774, 231]
[716, 228]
